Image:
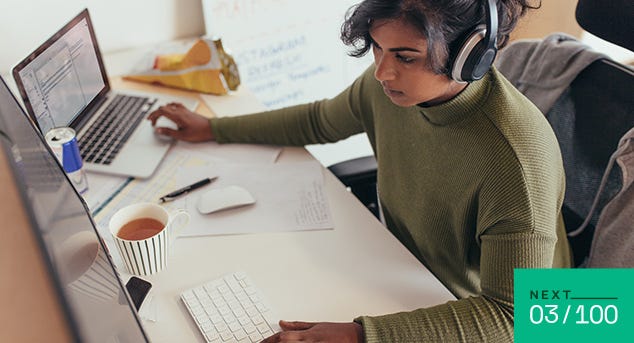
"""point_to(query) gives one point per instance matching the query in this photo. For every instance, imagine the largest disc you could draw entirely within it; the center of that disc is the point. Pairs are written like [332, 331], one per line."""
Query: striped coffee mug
[144, 233]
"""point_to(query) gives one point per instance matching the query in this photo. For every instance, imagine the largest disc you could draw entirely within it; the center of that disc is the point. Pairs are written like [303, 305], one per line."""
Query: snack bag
[205, 68]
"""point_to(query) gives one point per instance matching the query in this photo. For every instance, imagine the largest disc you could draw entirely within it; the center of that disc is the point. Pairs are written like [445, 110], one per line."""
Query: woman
[470, 177]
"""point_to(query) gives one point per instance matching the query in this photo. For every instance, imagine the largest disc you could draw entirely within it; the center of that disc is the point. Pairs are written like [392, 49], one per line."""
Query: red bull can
[63, 142]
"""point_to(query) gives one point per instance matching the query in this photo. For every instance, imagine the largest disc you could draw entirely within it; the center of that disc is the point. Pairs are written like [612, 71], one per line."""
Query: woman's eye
[405, 59]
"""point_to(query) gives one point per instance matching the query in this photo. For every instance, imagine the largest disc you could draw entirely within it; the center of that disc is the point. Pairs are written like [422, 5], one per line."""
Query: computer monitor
[90, 289]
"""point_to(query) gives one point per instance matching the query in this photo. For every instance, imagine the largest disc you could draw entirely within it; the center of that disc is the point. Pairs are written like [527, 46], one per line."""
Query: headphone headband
[491, 35]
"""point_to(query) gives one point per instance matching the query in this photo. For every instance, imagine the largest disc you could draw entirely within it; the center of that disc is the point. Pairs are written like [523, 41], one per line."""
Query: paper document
[289, 197]
[182, 156]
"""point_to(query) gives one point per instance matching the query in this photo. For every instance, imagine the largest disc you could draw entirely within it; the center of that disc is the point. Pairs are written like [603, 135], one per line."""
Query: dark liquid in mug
[139, 229]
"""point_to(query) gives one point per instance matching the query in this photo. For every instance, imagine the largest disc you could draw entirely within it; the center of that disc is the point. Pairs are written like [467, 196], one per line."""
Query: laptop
[64, 83]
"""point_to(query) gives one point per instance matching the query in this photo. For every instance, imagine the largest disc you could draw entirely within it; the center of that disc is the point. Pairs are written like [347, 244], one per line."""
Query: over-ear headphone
[478, 49]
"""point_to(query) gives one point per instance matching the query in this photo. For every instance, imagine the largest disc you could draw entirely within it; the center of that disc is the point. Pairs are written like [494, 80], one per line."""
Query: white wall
[119, 24]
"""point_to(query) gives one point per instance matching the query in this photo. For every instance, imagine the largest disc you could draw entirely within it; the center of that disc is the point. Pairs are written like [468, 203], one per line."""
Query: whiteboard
[288, 51]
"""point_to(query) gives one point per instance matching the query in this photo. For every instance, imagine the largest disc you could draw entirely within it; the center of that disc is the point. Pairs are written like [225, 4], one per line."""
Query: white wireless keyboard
[230, 309]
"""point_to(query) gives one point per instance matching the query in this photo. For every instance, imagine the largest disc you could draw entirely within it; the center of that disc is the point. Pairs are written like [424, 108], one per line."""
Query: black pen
[175, 194]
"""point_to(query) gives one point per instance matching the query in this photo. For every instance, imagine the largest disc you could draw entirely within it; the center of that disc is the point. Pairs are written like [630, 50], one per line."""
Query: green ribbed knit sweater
[472, 187]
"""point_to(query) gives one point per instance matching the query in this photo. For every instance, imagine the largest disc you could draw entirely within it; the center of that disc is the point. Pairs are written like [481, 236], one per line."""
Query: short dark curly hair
[443, 23]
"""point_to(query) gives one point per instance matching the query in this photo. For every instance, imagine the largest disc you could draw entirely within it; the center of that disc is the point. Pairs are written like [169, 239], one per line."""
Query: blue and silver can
[63, 142]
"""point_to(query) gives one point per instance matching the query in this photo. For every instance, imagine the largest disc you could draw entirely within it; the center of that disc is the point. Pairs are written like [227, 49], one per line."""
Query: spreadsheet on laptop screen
[64, 79]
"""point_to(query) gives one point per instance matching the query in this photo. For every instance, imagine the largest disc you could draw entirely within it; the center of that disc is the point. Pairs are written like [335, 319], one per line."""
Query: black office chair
[611, 20]
[359, 176]
[601, 100]
[604, 110]
[589, 119]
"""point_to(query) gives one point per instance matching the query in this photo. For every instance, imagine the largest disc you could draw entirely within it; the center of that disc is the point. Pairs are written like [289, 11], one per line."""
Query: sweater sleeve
[484, 318]
[322, 121]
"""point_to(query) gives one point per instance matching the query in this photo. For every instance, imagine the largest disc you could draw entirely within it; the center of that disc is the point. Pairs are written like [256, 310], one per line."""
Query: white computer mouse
[163, 121]
[219, 199]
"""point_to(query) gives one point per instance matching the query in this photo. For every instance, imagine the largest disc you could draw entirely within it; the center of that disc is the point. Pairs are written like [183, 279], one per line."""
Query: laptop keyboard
[230, 309]
[106, 136]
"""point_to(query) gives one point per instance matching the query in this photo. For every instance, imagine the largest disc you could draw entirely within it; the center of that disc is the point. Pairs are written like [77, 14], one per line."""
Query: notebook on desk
[64, 83]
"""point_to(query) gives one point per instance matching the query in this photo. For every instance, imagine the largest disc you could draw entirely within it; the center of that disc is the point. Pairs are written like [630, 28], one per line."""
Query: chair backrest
[610, 20]
[613, 239]
[589, 119]
[613, 236]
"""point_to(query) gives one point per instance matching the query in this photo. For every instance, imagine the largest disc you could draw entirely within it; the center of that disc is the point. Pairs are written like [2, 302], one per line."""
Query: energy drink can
[63, 142]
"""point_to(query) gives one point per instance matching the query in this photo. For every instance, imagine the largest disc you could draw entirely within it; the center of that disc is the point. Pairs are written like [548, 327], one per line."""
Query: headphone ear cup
[478, 62]
[473, 59]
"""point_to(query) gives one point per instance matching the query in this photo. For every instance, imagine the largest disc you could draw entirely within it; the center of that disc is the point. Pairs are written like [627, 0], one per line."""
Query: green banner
[574, 305]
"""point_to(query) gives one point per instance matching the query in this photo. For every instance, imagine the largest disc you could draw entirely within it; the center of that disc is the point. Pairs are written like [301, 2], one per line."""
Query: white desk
[332, 275]
[358, 268]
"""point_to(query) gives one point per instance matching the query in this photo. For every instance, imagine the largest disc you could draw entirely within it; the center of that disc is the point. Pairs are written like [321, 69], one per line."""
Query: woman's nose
[384, 70]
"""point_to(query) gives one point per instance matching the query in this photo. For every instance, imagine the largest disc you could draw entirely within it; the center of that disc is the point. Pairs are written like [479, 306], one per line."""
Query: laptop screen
[90, 289]
[63, 77]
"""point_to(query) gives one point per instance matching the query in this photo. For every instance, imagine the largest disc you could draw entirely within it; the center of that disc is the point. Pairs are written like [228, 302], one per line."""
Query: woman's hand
[318, 332]
[192, 127]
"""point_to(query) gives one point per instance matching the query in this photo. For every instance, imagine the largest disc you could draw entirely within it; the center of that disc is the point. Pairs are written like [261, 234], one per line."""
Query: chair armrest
[356, 171]
[359, 175]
